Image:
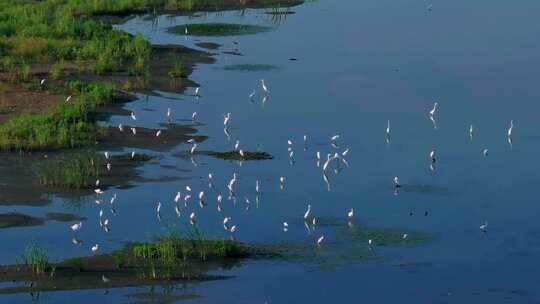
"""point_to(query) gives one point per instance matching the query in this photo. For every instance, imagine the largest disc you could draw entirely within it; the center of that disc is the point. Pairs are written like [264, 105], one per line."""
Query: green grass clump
[78, 172]
[235, 155]
[218, 29]
[66, 126]
[174, 250]
[177, 71]
[35, 258]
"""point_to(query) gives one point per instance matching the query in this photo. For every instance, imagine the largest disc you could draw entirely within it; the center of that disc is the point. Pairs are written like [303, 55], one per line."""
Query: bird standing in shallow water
[396, 182]
[434, 110]
[350, 214]
[320, 240]
[432, 156]
[308, 212]
[264, 87]
[510, 128]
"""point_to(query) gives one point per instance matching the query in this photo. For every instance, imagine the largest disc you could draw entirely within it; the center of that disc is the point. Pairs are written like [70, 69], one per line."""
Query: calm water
[360, 63]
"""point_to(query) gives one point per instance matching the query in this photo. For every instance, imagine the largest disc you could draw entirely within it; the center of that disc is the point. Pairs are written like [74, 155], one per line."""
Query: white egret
[194, 116]
[510, 128]
[77, 226]
[42, 82]
[188, 188]
[432, 156]
[388, 128]
[94, 248]
[177, 197]
[132, 154]
[344, 153]
[396, 182]
[285, 226]
[252, 95]
[434, 110]
[68, 98]
[98, 191]
[158, 133]
[197, 92]
[226, 120]
[158, 209]
[320, 240]
[405, 236]
[168, 114]
[350, 214]
[120, 127]
[134, 131]
[133, 116]
[241, 153]
[485, 152]
[192, 218]
[471, 131]
[264, 87]
[201, 196]
[237, 145]
[193, 148]
[308, 212]
[257, 187]
[484, 227]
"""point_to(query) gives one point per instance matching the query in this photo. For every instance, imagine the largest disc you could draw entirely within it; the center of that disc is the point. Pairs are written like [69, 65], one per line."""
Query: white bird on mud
[133, 116]
[132, 154]
[109, 166]
[168, 114]
[434, 110]
[158, 133]
[264, 87]
[106, 155]
[68, 98]
[510, 128]
[308, 212]
[120, 127]
[77, 226]
[94, 248]
[98, 191]
[134, 131]
[42, 82]
[320, 240]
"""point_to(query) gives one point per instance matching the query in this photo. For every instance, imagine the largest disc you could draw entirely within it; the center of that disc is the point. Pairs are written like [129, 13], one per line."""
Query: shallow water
[359, 64]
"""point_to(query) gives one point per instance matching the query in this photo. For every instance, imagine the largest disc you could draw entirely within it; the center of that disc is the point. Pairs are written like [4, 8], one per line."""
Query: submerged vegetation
[217, 29]
[81, 170]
